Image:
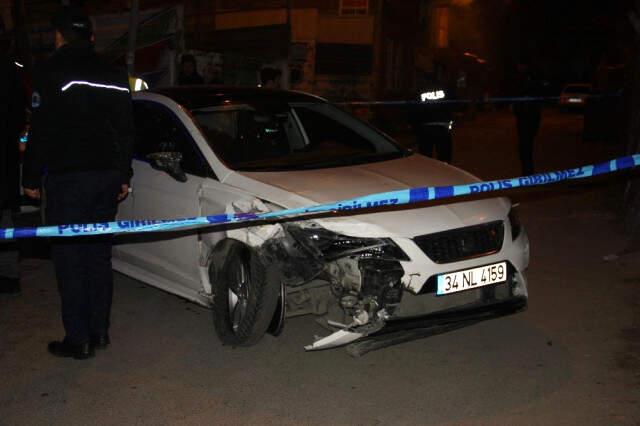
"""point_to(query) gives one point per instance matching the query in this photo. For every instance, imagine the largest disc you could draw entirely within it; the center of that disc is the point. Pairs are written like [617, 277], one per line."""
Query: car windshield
[270, 136]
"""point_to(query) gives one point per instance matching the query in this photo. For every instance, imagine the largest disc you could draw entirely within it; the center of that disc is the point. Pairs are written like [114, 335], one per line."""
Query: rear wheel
[245, 297]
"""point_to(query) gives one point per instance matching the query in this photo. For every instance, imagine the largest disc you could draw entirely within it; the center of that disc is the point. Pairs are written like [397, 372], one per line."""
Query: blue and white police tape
[488, 100]
[393, 198]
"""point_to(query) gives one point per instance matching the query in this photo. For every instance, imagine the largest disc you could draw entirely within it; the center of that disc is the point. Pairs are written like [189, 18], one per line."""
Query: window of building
[354, 7]
[441, 26]
[344, 59]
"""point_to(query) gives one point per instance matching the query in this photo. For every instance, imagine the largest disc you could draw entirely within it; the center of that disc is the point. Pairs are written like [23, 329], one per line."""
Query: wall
[5, 12]
[251, 18]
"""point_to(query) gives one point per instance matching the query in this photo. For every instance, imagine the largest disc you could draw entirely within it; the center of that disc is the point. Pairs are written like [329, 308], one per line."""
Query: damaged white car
[382, 274]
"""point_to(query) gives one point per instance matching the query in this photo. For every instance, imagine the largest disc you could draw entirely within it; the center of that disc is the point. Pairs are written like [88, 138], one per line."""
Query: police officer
[12, 118]
[82, 136]
[431, 120]
[528, 116]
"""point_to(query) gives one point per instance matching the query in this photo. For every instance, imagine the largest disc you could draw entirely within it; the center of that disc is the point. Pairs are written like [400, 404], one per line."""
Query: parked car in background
[575, 95]
[202, 151]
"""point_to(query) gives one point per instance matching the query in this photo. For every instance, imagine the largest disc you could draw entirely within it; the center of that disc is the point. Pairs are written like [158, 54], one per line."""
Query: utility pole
[378, 51]
[21, 33]
[285, 78]
[133, 36]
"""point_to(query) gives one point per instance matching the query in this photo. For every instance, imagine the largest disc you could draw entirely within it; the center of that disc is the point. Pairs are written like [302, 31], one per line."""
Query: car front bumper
[408, 329]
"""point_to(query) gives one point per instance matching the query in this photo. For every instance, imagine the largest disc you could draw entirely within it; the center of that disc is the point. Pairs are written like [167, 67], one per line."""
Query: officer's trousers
[83, 264]
[527, 127]
[8, 249]
[438, 136]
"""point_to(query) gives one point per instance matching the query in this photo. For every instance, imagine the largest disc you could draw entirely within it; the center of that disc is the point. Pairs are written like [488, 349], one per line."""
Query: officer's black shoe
[100, 341]
[9, 285]
[68, 350]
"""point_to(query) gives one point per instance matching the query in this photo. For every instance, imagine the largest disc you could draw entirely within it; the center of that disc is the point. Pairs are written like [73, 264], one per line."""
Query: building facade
[330, 47]
[342, 49]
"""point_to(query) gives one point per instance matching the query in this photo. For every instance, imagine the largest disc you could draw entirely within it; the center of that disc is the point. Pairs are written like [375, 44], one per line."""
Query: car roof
[194, 97]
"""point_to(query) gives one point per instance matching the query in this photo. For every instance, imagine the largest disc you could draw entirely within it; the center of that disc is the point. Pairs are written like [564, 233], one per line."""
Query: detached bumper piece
[406, 330]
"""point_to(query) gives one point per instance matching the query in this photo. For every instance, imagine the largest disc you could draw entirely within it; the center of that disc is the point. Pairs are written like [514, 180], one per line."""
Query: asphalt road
[572, 358]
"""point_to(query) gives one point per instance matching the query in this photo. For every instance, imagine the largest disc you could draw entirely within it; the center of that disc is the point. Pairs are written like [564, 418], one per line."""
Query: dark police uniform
[12, 118]
[430, 121]
[528, 116]
[82, 138]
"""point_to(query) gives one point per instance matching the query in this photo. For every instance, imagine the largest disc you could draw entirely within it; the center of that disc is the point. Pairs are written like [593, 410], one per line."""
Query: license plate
[575, 100]
[472, 278]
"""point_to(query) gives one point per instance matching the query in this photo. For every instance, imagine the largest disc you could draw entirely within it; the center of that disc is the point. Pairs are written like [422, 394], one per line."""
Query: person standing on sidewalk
[12, 115]
[270, 78]
[528, 116]
[82, 135]
[189, 75]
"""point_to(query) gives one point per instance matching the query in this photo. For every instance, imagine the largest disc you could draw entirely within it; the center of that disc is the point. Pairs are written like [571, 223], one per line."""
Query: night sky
[569, 39]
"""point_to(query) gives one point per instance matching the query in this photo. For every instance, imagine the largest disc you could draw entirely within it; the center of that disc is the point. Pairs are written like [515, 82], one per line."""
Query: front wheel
[245, 297]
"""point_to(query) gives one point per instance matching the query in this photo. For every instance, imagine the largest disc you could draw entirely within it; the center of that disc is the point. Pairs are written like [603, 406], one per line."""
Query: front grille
[462, 243]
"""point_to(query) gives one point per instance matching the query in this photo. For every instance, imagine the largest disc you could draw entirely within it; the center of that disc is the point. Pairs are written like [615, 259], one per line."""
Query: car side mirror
[168, 162]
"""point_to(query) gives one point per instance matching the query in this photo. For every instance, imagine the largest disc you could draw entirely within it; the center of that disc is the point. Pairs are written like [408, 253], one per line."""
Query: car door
[173, 258]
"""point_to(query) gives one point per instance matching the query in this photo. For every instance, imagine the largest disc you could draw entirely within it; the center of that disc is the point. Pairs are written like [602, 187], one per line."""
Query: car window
[298, 136]
[159, 130]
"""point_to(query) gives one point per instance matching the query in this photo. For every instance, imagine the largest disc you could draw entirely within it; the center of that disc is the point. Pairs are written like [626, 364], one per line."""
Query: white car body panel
[330, 185]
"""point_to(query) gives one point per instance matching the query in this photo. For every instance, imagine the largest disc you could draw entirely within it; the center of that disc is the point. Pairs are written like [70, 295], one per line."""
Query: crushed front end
[361, 286]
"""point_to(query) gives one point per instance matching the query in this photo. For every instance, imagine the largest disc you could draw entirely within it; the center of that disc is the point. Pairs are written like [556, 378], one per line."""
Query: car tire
[245, 297]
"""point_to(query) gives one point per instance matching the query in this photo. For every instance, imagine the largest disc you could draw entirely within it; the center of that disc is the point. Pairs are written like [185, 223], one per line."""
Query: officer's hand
[32, 193]
[124, 191]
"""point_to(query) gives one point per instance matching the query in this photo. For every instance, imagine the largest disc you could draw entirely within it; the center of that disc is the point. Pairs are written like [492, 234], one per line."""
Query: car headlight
[330, 245]
[514, 219]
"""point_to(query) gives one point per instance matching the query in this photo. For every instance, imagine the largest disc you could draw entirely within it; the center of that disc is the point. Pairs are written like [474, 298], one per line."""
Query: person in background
[212, 74]
[189, 72]
[270, 78]
[528, 116]
[82, 135]
[12, 119]
[432, 120]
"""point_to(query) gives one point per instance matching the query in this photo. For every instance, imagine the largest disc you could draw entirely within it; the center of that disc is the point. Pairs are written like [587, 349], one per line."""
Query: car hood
[291, 189]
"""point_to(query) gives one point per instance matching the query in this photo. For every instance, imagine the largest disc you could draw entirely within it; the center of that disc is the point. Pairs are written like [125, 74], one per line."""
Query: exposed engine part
[362, 274]
[381, 281]
[345, 273]
[361, 318]
[371, 291]
[349, 301]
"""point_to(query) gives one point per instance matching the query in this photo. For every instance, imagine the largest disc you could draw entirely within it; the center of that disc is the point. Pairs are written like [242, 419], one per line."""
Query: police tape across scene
[392, 198]
[437, 98]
